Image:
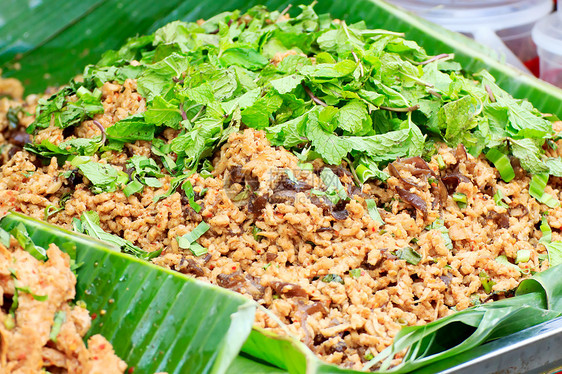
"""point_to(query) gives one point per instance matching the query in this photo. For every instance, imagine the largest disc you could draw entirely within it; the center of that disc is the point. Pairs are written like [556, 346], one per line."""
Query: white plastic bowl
[504, 25]
[547, 34]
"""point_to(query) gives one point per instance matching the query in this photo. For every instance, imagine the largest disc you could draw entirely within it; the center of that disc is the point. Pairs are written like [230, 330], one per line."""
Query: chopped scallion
[502, 163]
[355, 273]
[460, 199]
[487, 283]
[374, 211]
[536, 190]
[546, 231]
[60, 318]
[523, 255]
[499, 199]
[441, 162]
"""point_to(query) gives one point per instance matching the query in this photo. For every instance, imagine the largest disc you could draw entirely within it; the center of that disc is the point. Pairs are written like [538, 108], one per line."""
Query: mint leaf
[287, 84]
[162, 112]
[353, 117]
[247, 58]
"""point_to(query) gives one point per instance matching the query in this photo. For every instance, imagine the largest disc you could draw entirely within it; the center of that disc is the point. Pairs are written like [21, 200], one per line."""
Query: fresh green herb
[536, 190]
[374, 211]
[334, 189]
[61, 111]
[460, 199]
[266, 266]
[487, 283]
[189, 240]
[104, 177]
[368, 356]
[89, 224]
[27, 290]
[332, 278]
[60, 318]
[355, 273]
[499, 199]
[439, 225]
[366, 98]
[255, 233]
[409, 255]
[12, 115]
[504, 261]
[51, 209]
[145, 173]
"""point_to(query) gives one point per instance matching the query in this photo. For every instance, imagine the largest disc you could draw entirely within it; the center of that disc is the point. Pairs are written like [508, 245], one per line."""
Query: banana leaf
[156, 319]
[196, 327]
[47, 42]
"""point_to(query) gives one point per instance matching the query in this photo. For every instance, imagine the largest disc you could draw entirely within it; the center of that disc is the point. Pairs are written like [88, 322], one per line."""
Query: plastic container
[547, 34]
[503, 25]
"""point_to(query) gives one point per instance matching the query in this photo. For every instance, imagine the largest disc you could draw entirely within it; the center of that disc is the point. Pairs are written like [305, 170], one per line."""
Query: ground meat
[278, 244]
[26, 343]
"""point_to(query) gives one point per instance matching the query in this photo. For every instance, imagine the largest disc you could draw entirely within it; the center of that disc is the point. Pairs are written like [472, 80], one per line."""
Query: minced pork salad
[338, 176]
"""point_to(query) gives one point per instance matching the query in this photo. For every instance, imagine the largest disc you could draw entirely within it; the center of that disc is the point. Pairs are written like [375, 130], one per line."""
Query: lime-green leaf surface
[156, 319]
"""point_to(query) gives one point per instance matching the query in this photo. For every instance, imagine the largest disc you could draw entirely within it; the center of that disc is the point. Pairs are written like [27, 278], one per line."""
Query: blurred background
[525, 33]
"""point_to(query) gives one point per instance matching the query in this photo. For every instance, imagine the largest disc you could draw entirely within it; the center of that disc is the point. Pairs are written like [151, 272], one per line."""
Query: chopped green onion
[364, 173]
[10, 321]
[523, 255]
[460, 199]
[133, 187]
[409, 255]
[502, 163]
[27, 290]
[487, 283]
[536, 190]
[499, 199]
[355, 273]
[266, 266]
[332, 278]
[441, 162]
[374, 211]
[190, 194]
[189, 240]
[369, 356]
[60, 318]
[197, 249]
[546, 231]
[305, 166]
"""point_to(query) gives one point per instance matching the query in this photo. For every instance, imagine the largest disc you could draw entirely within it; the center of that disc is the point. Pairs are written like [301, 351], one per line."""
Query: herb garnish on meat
[317, 86]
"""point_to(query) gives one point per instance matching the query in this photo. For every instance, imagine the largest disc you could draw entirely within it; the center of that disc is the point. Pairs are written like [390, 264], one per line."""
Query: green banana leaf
[47, 42]
[156, 319]
[159, 320]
